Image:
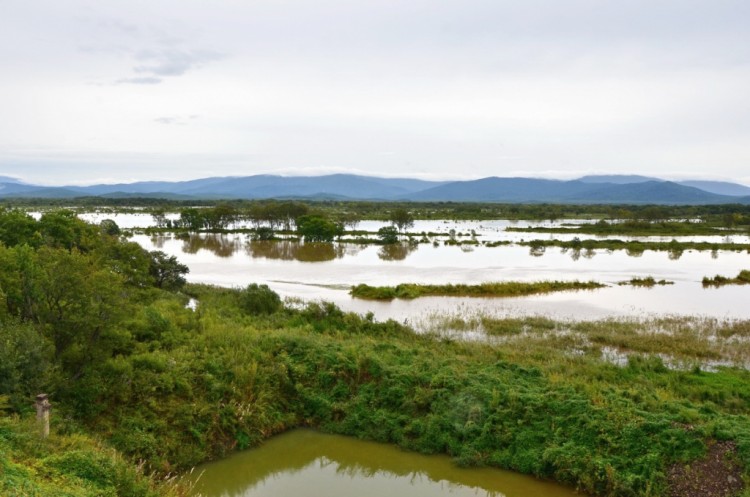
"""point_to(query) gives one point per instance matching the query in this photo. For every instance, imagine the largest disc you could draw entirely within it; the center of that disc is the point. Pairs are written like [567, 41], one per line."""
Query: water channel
[305, 463]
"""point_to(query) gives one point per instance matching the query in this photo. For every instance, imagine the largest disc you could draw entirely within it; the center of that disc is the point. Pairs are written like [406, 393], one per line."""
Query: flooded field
[483, 231]
[327, 271]
[305, 462]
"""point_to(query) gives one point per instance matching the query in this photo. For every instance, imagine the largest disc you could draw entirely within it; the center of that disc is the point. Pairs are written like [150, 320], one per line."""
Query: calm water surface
[488, 230]
[305, 463]
[327, 271]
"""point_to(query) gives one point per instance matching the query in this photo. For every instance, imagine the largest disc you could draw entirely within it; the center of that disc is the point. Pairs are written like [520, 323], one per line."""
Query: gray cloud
[172, 62]
[484, 87]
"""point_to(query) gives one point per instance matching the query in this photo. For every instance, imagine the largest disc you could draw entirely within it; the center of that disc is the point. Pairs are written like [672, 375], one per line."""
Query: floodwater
[486, 231]
[305, 463]
[328, 271]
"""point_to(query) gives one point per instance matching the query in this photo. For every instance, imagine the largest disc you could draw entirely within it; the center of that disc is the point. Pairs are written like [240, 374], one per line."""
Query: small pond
[305, 463]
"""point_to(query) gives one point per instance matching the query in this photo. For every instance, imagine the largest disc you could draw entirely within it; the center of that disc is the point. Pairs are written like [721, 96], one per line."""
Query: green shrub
[259, 299]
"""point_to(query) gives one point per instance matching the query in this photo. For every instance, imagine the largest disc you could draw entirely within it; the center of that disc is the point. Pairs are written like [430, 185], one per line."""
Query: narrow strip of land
[635, 228]
[498, 289]
[743, 278]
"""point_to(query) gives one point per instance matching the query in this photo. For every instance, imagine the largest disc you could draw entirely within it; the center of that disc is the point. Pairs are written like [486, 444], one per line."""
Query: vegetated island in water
[743, 278]
[630, 246]
[499, 289]
[648, 282]
[637, 228]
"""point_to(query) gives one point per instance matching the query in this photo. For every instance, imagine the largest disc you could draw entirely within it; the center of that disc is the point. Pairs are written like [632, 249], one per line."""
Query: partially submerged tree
[401, 219]
[388, 235]
[315, 228]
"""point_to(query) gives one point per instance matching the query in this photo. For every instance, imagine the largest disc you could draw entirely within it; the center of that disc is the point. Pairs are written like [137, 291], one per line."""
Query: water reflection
[634, 252]
[225, 246]
[537, 251]
[293, 250]
[220, 244]
[347, 264]
[396, 251]
[304, 462]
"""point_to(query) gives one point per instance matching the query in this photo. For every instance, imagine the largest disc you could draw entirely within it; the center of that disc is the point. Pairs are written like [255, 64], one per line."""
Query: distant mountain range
[620, 189]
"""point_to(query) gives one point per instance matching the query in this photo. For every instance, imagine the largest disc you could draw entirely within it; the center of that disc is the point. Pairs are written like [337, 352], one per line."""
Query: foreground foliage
[70, 465]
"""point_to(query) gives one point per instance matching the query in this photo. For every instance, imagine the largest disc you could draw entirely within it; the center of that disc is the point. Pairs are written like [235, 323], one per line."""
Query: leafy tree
[401, 219]
[167, 271]
[259, 299]
[127, 259]
[63, 229]
[349, 220]
[315, 228]
[17, 228]
[192, 219]
[18, 281]
[26, 364]
[220, 216]
[287, 213]
[109, 227]
[77, 301]
[159, 215]
[388, 235]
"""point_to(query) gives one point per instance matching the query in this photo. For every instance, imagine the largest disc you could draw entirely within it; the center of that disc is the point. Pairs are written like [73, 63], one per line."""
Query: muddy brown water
[306, 463]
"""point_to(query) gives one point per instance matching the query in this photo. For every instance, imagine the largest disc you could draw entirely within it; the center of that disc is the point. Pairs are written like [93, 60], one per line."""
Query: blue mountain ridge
[589, 189]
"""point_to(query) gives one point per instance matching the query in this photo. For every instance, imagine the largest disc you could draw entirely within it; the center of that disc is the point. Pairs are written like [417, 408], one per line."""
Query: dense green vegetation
[743, 278]
[130, 367]
[70, 465]
[498, 289]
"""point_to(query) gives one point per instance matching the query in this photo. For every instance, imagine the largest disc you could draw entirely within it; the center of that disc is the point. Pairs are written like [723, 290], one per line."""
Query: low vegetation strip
[647, 282]
[743, 278]
[634, 228]
[630, 246]
[500, 289]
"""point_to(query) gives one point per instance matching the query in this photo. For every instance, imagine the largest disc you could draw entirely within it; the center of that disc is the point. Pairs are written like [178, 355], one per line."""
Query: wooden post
[42, 413]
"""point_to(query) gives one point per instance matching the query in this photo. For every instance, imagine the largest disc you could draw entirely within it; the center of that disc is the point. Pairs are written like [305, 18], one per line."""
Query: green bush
[259, 299]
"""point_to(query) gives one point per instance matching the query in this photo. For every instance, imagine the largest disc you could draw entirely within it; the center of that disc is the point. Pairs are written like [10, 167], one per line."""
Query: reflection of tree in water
[270, 249]
[576, 253]
[674, 255]
[634, 252]
[352, 248]
[292, 250]
[537, 250]
[396, 251]
[158, 240]
[221, 245]
[318, 252]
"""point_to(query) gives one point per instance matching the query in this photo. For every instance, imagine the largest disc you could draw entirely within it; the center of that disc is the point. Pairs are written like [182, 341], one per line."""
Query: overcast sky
[105, 91]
